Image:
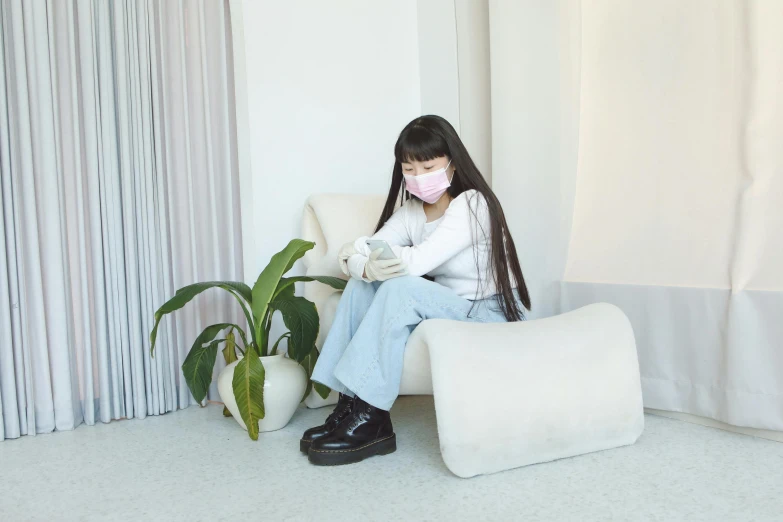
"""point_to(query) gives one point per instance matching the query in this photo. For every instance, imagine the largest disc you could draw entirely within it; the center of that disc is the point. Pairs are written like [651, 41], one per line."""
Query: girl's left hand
[346, 251]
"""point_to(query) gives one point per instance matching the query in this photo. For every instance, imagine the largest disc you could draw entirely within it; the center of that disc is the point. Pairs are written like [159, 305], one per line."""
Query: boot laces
[359, 416]
[340, 412]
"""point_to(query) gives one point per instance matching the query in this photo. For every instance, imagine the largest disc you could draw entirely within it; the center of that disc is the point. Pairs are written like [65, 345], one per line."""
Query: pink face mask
[428, 187]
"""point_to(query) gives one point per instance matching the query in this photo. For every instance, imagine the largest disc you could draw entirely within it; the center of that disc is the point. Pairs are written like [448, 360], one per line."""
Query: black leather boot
[367, 431]
[342, 410]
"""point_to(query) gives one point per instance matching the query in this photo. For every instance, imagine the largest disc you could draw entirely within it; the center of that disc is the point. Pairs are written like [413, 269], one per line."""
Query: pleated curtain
[119, 184]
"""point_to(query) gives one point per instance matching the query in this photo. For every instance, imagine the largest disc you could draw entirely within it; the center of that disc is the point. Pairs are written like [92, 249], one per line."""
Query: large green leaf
[334, 282]
[301, 317]
[309, 365]
[240, 288]
[266, 284]
[197, 368]
[322, 390]
[300, 247]
[284, 292]
[229, 355]
[186, 294]
[248, 385]
[200, 361]
[230, 351]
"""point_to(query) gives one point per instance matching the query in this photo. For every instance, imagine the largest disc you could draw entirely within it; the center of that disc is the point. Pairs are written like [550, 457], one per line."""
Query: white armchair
[506, 394]
[328, 223]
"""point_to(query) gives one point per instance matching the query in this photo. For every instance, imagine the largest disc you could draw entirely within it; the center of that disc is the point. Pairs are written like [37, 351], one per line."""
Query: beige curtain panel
[669, 191]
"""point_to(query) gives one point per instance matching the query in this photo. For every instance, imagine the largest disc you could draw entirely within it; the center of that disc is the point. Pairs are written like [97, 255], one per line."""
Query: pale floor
[196, 465]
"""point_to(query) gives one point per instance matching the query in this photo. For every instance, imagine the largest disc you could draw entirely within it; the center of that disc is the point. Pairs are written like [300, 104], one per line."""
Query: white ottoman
[513, 394]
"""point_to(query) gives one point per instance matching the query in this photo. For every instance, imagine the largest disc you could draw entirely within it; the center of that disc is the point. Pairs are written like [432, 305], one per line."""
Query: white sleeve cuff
[361, 246]
[356, 266]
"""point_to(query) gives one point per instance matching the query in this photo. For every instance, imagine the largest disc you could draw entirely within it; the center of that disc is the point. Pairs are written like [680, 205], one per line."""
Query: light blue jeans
[363, 351]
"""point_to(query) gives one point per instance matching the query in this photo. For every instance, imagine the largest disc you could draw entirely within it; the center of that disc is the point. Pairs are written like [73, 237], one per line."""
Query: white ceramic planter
[285, 382]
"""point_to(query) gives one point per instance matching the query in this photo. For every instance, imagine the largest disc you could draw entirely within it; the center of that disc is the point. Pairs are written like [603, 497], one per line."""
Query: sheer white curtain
[650, 134]
[119, 185]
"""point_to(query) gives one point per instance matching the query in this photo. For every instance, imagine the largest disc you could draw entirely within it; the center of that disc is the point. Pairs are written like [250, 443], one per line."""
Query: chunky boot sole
[382, 446]
[304, 445]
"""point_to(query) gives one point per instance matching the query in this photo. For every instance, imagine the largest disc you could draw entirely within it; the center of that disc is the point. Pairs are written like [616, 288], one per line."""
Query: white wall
[455, 74]
[438, 64]
[526, 145]
[329, 86]
[475, 114]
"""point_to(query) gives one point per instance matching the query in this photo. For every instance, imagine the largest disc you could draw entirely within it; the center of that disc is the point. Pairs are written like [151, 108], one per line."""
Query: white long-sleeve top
[445, 249]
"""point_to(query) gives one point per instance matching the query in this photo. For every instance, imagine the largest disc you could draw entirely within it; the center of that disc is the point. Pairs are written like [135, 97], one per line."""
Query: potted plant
[256, 367]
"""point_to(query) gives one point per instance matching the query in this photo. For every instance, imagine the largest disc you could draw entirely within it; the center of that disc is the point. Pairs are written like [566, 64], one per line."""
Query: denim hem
[360, 387]
[332, 383]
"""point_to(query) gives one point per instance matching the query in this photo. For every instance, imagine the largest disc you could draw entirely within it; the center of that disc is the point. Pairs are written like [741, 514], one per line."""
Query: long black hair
[430, 137]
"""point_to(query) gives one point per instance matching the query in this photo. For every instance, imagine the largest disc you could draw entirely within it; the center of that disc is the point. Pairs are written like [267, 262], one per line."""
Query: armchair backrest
[331, 220]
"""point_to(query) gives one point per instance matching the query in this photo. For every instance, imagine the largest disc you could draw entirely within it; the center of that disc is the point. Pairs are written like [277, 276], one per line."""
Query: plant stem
[274, 348]
[267, 327]
[248, 315]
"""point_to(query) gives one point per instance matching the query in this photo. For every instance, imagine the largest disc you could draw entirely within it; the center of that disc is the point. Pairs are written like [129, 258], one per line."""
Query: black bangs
[419, 144]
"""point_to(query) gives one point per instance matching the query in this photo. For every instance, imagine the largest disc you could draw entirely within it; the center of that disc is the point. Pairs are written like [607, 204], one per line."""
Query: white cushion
[513, 394]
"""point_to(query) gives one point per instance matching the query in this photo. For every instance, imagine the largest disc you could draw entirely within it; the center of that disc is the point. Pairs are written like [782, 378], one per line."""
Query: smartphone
[375, 244]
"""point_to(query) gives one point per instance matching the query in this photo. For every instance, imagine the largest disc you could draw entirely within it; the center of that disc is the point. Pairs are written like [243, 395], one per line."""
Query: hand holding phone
[379, 267]
[375, 244]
